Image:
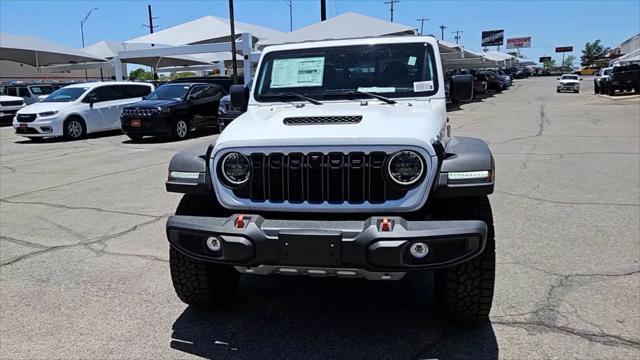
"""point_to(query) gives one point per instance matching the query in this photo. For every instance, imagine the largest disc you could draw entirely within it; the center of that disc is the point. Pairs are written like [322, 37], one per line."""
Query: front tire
[200, 283]
[180, 130]
[74, 128]
[466, 291]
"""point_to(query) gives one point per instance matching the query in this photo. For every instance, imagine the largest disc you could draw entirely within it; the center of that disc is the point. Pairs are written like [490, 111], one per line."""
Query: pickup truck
[342, 166]
[600, 81]
[623, 78]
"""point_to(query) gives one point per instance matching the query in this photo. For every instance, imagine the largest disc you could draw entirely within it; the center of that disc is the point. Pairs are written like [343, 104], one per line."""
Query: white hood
[404, 123]
[569, 82]
[43, 107]
[10, 98]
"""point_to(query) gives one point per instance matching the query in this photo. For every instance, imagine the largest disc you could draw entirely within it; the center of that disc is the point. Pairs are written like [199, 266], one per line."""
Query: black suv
[173, 109]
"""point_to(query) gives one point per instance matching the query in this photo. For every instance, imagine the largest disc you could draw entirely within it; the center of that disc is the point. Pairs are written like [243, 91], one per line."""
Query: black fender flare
[189, 169]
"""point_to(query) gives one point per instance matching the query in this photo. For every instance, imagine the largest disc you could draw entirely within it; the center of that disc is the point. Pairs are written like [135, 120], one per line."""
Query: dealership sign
[519, 42]
[563, 49]
[544, 59]
[493, 38]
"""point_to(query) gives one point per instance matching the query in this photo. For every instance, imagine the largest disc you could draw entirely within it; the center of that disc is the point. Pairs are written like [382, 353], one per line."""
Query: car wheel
[200, 283]
[74, 129]
[596, 89]
[465, 291]
[180, 129]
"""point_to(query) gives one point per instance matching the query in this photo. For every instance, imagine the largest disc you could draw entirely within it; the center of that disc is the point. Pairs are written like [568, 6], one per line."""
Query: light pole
[290, 4]
[86, 77]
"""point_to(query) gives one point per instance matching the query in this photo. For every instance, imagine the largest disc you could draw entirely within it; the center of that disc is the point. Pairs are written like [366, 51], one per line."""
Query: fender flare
[188, 171]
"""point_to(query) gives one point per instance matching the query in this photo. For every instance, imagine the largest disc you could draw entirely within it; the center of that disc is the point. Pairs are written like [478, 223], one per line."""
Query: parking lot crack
[68, 207]
[101, 251]
[22, 242]
[565, 202]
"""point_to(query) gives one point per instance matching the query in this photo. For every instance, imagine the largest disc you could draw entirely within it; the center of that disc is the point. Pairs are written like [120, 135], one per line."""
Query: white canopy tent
[343, 26]
[38, 52]
[110, 49]
[630, 58]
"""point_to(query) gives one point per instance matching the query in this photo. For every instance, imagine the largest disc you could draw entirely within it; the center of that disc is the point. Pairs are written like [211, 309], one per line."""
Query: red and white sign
[519, 42]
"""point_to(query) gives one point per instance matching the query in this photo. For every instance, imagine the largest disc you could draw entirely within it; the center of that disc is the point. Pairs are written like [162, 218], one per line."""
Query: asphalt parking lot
[84, 271]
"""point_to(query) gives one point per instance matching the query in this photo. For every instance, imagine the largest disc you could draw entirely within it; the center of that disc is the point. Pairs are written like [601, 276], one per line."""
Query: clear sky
[549, 23]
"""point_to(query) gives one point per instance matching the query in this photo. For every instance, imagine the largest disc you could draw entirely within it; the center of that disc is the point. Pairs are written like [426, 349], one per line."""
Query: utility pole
[457, 37]
[391, 2]
[86, 75]
[442, 27]
[151, 18]
[290, 3]
[233, 43]
[323, 10]
[422, 20]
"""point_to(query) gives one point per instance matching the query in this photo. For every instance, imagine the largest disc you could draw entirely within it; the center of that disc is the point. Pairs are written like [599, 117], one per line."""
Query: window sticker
[422, 86]
[376, 89]
[301, 72]
[412, 61]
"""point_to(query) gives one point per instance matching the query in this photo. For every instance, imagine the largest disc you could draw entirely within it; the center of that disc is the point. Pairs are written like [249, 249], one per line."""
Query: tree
[140, 74]
[592, 52]
[549, 64]
[568, 61]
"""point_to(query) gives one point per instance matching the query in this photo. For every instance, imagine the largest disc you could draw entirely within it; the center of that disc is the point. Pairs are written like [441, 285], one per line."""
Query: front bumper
[41, 127]
[326, 246]
[157, 124]
[568, 87]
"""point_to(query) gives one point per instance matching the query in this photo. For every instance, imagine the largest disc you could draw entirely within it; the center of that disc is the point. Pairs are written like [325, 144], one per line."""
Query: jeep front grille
[11, 103]
[317, 120]
[315, 178]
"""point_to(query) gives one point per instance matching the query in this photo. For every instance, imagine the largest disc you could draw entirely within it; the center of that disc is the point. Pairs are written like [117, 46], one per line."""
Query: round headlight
[405, 167]
[235, 168]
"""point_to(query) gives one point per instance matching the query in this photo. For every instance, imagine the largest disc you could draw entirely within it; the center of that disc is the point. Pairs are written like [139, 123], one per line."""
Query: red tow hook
[239, 223]
[385, 225]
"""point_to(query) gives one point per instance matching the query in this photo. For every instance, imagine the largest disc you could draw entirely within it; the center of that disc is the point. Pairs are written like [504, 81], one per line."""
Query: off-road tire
[199, 283]
[465, 291]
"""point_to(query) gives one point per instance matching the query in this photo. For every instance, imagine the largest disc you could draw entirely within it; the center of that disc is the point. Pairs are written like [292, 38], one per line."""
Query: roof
[109, 49]
[343, 26]
[97, 83]
[38, 52]
[349, 42]
[207, 29]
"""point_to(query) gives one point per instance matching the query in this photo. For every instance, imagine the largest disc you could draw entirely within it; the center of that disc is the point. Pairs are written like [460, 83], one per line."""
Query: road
[84, 269]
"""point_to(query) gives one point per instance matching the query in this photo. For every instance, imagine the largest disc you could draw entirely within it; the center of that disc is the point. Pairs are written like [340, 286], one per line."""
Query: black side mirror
[462, 87]
[239, 96]
[92, 100]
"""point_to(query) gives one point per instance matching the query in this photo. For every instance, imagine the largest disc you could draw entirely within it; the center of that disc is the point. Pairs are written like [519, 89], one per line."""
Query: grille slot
[11, 103]
[315, 178]
[319, 120]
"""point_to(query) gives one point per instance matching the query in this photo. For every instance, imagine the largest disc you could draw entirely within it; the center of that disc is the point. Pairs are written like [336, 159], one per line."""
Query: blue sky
[549, 23]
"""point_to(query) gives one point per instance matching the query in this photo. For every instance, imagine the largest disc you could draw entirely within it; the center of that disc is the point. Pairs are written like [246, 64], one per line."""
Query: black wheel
[199, 283]
[135, 138]
[465, 291]
[596, 89]
[611, 91]
[74, 128]
[180, 129]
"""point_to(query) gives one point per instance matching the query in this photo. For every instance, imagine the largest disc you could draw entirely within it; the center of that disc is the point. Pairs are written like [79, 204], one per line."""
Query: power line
[391, 2]
[422, 20]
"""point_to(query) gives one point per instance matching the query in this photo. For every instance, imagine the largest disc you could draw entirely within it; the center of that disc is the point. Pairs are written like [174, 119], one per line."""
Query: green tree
[568, 61]
[592, 51]
[549, 64]
[140, 74]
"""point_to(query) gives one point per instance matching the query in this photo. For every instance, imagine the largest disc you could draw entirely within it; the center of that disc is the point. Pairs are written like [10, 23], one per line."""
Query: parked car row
[484, 81]
[617, 79]
[176, 109]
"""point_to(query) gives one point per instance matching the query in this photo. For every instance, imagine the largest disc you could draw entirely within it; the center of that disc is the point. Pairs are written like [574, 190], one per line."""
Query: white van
[76, 110]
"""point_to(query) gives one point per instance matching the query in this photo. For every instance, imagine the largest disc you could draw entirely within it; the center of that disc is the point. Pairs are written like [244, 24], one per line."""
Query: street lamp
[86, 76]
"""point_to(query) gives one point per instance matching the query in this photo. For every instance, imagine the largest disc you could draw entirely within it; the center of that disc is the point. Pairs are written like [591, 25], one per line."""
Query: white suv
[9, 105]
[79, 109]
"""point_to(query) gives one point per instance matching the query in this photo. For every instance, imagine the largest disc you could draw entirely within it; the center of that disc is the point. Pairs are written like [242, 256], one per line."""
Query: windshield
[169, 92]
[65, 94]
[569, 77]
[391, 70]
[41, 90]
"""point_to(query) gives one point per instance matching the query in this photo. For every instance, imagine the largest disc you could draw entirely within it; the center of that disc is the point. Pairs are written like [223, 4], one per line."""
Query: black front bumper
[156, 124]
[328, 244]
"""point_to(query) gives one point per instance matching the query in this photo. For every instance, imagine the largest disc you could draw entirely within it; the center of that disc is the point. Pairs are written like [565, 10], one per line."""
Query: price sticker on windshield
[422, 86]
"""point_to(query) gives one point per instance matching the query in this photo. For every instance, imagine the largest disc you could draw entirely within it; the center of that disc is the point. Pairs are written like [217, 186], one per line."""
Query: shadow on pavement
[59, 139]
[280, 317]
[167, 139]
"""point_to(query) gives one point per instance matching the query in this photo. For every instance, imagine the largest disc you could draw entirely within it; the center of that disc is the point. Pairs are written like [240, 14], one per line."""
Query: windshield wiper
[299, 96]
[356, 92]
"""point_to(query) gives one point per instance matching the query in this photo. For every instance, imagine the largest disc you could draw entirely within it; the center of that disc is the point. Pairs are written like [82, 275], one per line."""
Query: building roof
[343, 26]
[207, 29]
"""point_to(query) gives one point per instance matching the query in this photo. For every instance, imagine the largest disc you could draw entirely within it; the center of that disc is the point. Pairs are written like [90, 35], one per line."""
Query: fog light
[214, 244]
[46, 129]
[419, 250]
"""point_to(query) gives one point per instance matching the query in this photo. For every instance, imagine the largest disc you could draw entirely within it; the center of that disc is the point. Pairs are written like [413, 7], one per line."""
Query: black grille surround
[316, 178]
[11, 103]
[26, 117]
[319, 120]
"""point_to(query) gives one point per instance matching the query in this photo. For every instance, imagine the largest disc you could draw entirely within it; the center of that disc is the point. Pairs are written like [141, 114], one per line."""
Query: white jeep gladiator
[343, 165]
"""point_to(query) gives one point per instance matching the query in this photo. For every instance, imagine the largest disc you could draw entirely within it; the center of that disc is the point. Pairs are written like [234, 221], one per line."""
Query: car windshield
[66, 94]
[41, 90]
[569, 77]
[344, 72]
[169, 92]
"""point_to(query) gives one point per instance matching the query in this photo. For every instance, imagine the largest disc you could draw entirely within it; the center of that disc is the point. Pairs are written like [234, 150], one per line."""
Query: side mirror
[92, 100]
[581, 79]
[462, 87]
[239, 96]
[557, 78]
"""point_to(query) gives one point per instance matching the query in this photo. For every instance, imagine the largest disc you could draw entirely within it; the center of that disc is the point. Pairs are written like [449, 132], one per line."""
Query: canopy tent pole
[247, 46]
[117, 66]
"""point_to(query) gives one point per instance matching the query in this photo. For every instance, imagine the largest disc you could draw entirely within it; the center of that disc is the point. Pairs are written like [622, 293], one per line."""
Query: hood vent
[320, 120]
